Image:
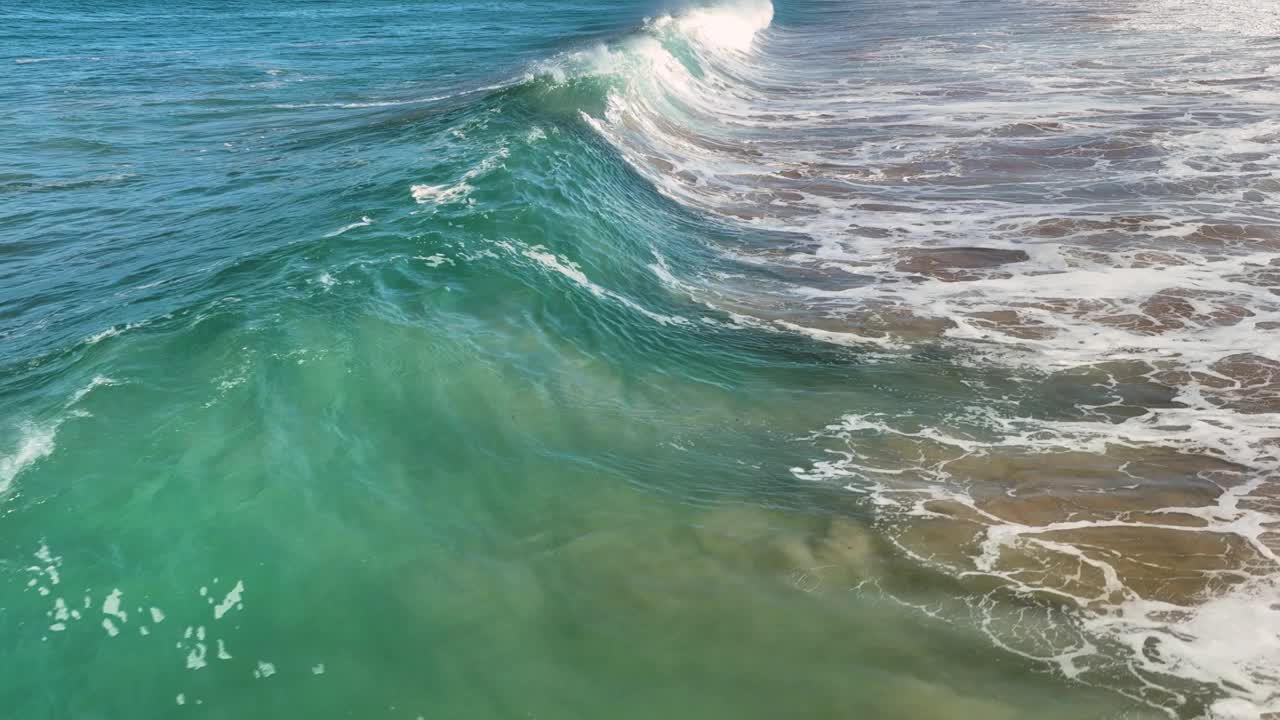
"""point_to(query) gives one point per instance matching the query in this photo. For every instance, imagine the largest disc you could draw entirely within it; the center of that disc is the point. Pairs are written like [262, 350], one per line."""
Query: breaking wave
[1072, 215]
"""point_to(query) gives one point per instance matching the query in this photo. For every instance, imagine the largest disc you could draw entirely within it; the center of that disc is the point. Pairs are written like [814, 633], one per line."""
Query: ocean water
[580, 359]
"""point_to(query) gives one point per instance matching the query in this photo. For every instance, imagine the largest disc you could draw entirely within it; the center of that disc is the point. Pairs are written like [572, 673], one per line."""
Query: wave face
[829, 357]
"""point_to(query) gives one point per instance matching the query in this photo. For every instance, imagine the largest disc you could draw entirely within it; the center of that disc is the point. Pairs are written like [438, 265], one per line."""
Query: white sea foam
[115, 330]
[1235, 17]
[365, 221]
[851, 339]
[231, 600]
[880, 172]
[97, 382]
[103, 335]
[439, 194]
[1208, 641]
[196, 656]
[111, 606]
[458, 192]
[434, 261]
[45, 576]
[732, 26]
[569, 269]
[35, 442]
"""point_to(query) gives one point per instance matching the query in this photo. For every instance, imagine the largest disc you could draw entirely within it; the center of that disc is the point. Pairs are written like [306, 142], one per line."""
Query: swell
[910, 200]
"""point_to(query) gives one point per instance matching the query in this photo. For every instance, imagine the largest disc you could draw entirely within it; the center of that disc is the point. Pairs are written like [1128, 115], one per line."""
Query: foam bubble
[434, 261]
[365, 221]
[36, 440]
[97, 382]
[232, 599]
[569, 269]
[1078, 535]
[439, 194]
[458, 192]
[1235, 17]
[111, 606]
[34, 443]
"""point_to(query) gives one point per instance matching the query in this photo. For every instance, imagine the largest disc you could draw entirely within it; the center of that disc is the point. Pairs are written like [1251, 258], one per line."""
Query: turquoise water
[580, 359]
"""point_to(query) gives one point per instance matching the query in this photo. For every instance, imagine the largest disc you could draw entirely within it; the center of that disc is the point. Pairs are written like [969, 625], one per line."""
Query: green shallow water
[445, 508]
[608, 543]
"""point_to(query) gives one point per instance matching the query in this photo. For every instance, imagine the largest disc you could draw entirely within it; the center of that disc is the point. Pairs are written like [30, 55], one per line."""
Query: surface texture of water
[580, 359]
